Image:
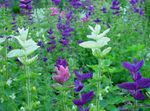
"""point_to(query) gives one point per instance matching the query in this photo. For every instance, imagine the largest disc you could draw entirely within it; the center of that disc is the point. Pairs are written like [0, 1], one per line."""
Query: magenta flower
[54, 11]
[62, 74]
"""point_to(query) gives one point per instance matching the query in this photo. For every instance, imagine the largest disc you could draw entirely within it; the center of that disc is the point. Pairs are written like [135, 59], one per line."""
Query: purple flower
[97, 20]
[40, 43]
[82, 76]
[45, 59]
[76, 3]
[115, 7]
[56, 2]
[85, 97]
[133, 67]
[78, 85]
[104, 10]
[51, 42]
[61, 61]
[133, 2]
[139, 82]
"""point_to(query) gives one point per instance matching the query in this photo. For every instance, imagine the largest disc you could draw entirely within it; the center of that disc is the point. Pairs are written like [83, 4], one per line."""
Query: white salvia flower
[99, 39]
[9, 81]
[23, 34]
[22, 109]
[106, 89]
[12, 96]
[28, 47]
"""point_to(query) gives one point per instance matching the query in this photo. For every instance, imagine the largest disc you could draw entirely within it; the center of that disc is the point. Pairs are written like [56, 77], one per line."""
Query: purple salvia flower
[83, 76]
[78, 85]
[56, 2]
[85, 97]
[115, 7]
[139, 82]
[76, 3]
[61, 61]
[104, 10]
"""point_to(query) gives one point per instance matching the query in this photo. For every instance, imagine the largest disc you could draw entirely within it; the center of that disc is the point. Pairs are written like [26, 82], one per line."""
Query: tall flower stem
[98, 85]
[28, 87]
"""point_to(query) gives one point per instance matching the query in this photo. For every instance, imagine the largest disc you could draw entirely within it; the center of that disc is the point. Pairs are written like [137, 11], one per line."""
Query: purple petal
[78, 102]
[143, 83]
[87, 96]
[136, 76]
[139, 65]
[78, 85]
[128, 66]
[128, 86]
[138, 95]
[87, 75]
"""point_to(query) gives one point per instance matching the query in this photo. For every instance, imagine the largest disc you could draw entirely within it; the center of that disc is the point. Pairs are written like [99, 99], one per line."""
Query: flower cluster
[28, 47]
[65, 29]
[14, 26]
[99, 41]
[115, 7]
[26, 7]
[78, 85]
[136, 8]
[135, 87]
[62, 71]
[52, 41]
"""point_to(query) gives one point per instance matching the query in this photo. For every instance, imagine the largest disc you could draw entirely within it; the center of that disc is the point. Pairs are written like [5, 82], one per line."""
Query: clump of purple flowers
[65, 29]
[135, 6]
[115, 6]
[14, 25]
[51, 42]
[139, 83]
[78, 86]
[26, 8]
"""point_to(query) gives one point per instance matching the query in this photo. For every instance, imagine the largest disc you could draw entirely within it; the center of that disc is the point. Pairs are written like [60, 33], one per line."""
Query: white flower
[9, 81]
[99, 39]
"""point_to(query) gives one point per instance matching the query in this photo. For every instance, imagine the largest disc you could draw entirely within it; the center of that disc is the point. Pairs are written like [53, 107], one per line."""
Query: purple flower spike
[86, 97]
[138, 81]
[78, 85]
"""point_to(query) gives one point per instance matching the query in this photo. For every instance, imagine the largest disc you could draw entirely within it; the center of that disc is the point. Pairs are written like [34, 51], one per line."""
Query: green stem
[135, 105]
[98, 86]
[64, 101]
[28, 87]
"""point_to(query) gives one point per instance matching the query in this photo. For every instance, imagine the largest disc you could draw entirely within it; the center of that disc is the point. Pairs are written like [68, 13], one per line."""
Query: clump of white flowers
[97, 42]
[28, 47]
